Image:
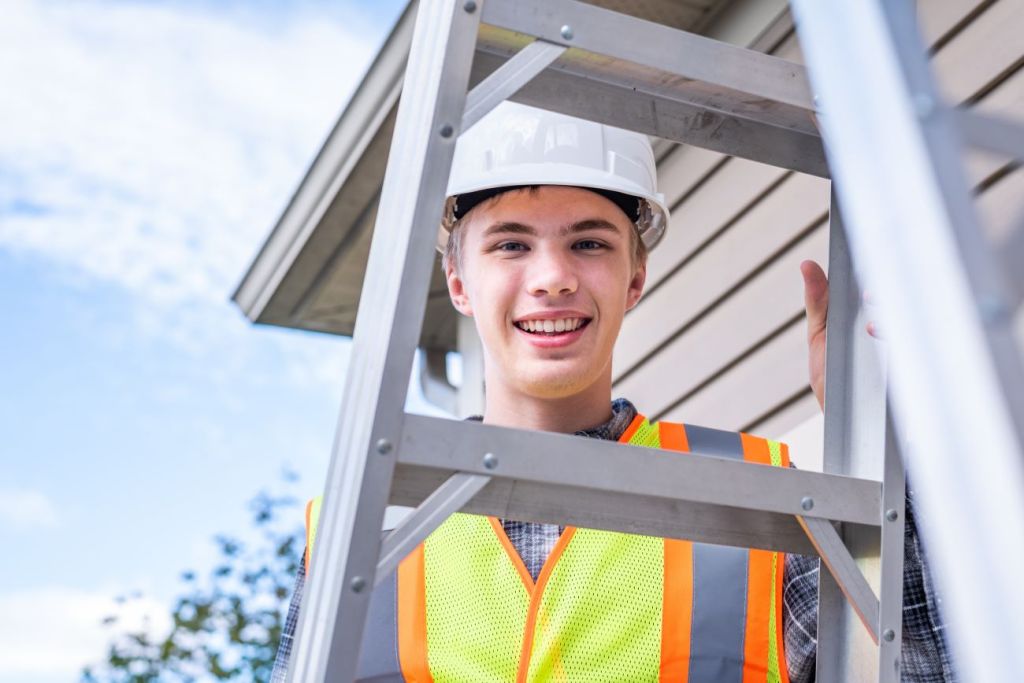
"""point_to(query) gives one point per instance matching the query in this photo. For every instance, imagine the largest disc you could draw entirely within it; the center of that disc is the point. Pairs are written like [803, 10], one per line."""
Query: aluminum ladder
[909, 228]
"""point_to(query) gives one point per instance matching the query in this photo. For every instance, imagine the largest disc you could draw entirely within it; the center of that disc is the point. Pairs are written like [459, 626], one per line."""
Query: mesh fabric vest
[606, 607]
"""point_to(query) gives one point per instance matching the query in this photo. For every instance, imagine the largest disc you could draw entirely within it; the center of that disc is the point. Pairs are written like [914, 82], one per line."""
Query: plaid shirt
[925, 656]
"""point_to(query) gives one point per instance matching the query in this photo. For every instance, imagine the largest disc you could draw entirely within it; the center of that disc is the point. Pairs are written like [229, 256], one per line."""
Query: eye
[589, 245]
[510, 246]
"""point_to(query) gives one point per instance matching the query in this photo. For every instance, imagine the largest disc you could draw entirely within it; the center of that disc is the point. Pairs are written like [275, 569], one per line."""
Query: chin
[555, 382]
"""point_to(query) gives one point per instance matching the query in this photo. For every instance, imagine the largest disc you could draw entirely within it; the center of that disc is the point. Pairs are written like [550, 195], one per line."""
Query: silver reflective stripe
[714, 442]
[378, 657]
[719, 614]
[719, 585]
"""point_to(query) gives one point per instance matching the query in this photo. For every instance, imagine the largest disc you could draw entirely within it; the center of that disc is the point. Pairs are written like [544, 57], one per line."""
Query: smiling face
[548, 275]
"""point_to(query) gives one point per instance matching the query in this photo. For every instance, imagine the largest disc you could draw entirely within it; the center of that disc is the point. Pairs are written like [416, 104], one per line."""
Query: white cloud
[56, 630]
[152, 146]
[22, 509]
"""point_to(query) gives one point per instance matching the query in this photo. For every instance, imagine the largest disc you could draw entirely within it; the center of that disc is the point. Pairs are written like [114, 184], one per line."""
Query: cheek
[491, 293]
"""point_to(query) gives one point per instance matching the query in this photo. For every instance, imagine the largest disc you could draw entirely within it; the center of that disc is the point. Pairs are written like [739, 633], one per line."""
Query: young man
[545, 237]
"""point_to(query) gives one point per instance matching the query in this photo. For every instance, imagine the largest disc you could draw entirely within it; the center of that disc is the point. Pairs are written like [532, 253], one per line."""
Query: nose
[552, 273]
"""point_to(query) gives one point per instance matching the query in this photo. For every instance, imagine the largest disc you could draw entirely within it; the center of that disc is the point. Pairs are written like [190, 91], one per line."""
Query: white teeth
[550, 326]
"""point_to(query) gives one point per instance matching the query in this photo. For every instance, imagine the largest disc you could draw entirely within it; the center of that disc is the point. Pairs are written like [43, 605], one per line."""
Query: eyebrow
[587, 224]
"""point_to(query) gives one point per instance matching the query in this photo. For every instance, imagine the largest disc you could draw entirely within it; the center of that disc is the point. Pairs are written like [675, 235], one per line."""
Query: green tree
[226, 625]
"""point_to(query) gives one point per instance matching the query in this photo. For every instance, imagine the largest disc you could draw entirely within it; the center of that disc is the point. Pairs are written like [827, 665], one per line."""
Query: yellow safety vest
[606, 606]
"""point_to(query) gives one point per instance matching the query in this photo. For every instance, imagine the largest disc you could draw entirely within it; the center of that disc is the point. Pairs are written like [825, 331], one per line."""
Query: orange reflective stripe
[673, 436]
[677, 603]
[759, 608]
[759, 584]
[755, 449]
[512, 553]
[535, 600]
[412, 618]
[764, 593]
[676, 612]
[631, 429]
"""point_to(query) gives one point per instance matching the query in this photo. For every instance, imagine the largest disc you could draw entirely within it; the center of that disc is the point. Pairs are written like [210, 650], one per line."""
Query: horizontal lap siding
[719, 337]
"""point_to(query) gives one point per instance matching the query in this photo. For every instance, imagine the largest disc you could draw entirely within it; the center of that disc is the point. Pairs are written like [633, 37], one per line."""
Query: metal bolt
[924, 105]
[470, 6]
[357, 584]
[817, 102]
[807, 503]
[383, 446]
[892, 515]
[567, 32]
[889, 635]
[490, 461]
[447, 130]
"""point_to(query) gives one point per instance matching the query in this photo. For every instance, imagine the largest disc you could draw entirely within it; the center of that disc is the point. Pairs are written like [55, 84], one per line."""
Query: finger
[815, 295]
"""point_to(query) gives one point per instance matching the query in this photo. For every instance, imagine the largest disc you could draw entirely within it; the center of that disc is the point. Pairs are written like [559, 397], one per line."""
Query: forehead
[547, 209]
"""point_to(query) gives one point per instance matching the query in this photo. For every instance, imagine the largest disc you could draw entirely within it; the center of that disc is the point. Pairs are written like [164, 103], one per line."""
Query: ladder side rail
[984, 280]
[503, 453]
[391, 308]
[897, 160]
[894, 499]
[1001, 136]
[855, 405]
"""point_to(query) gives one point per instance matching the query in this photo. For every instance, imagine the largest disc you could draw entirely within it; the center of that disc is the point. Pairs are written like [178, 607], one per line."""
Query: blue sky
[146, 151]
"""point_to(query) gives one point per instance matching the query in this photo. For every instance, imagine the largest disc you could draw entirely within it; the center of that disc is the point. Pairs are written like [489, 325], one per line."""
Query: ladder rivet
[470, 6]
[447, 130]
[567, 32]
[892, 515]
[490, 461]
[383, 446]
[807, 503]
[358, 584]
[889, 635]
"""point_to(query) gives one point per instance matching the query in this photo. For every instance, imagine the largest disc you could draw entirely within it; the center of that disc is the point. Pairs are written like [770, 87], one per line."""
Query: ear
[457, 292]
[636, 285]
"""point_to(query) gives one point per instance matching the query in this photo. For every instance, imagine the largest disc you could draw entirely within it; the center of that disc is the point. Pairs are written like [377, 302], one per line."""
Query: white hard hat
[515, 145]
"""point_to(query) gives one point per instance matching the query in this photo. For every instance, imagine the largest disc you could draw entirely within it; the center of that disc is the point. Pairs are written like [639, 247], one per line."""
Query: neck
[508, 407]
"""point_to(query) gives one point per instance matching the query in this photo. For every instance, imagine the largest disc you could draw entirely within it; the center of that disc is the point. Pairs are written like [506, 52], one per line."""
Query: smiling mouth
[551, 328]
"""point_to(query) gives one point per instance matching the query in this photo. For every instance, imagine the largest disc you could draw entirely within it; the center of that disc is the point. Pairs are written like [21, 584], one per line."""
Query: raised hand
[816, 304]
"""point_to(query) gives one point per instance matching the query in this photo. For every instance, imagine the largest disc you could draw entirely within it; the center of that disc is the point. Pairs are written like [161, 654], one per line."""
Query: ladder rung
[606, 466]
[531, 501]
[698, 91]
[735, 78]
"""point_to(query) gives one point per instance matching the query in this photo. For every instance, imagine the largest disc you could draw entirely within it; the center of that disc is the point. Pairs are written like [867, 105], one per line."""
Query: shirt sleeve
[284, 648]
[924, 654]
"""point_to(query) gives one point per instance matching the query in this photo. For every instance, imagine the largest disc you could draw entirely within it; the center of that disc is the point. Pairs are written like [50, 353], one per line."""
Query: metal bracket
[430, 514]
[508, 79]
[840, 563]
